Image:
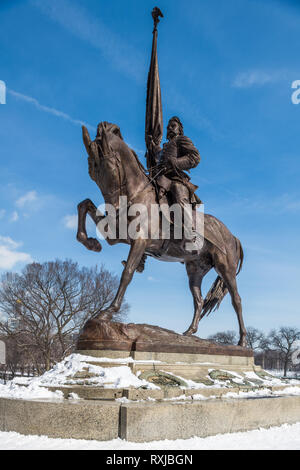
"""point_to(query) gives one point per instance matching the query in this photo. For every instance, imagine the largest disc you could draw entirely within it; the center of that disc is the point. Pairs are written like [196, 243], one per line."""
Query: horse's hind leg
[195, 275]
[227, 271]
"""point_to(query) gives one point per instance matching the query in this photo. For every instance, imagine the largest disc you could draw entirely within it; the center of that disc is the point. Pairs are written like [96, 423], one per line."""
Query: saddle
[212, 232]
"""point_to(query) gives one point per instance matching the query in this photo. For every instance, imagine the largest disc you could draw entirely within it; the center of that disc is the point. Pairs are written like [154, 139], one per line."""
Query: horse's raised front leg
[88, 207]
[135, 255]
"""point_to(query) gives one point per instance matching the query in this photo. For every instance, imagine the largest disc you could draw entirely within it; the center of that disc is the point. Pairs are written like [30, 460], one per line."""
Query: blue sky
[226, 69]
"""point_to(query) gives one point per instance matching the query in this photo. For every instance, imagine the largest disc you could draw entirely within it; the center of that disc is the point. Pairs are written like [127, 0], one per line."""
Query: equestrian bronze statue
[120, 176]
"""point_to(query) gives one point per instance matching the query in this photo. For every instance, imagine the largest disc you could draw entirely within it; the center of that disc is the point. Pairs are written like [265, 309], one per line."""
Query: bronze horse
[117, 171]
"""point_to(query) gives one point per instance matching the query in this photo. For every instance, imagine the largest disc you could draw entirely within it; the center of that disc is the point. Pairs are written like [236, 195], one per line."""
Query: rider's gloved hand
[151, 145]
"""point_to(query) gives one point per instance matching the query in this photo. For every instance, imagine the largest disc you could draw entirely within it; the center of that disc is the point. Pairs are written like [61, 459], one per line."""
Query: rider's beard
[170, 135]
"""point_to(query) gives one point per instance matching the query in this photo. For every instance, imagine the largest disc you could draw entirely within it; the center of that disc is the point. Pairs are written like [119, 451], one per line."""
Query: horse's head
[111, 162]
[109, 130]
[105, 166]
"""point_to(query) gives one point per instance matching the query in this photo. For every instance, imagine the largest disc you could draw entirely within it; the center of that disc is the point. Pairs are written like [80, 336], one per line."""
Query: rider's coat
[179, 155]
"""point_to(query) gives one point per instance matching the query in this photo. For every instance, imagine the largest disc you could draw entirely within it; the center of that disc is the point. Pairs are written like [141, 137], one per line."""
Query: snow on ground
[286, 437]
[107, 377]
[32, 392]
[279, 373]
[111, 377]
[271, 380]
[263, 392]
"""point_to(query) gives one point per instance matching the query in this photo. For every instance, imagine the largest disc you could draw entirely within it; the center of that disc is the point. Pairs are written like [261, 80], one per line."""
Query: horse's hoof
[81, 237]
[242, 342]
[105, 315]
[93, 245]
[102, 317]
[189, 332]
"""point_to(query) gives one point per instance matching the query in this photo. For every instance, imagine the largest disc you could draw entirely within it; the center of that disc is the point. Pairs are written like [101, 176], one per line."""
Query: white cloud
[9, 242]
[49, 110]
[9, 257]
[257, 78]
[71, 221]
[31, 196]
[14, 217]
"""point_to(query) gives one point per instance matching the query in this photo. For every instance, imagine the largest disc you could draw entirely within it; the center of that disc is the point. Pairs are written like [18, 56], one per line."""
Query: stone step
[87, 392]
[190, 371]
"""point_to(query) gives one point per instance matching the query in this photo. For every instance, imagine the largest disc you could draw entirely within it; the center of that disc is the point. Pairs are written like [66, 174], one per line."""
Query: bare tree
[284, 342]
[224, 337]
[255, 338]
[47, 304]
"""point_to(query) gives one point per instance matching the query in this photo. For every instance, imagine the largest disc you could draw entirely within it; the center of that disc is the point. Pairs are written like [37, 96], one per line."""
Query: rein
[146, 185]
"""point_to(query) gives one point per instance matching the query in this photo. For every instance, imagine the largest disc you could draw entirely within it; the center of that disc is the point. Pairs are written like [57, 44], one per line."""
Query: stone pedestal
[134, 339]
[152, 348]
[174, 409]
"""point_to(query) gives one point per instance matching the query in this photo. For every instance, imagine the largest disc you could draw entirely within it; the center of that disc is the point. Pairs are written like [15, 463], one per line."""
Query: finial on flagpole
[156, 13]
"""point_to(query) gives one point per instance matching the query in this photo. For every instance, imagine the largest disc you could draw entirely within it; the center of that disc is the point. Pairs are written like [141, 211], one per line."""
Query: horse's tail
[241, 255]
[218, 290]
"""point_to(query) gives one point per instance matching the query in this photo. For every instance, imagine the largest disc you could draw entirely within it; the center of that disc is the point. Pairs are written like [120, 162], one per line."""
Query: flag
[154, 118]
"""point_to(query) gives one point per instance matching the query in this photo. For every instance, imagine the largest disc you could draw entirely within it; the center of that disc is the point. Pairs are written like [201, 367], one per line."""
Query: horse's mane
[108, 127]
[139, 163]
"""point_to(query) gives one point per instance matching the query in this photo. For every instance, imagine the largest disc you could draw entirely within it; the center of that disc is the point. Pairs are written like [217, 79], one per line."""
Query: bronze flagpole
[154, 118]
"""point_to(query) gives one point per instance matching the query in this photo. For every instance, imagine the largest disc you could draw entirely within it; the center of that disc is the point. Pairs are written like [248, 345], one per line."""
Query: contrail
[47, 109]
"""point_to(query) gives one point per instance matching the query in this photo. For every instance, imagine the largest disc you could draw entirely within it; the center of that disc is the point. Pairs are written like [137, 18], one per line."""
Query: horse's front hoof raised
[93, 245]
